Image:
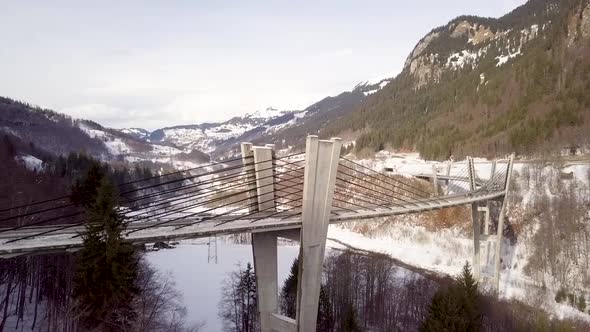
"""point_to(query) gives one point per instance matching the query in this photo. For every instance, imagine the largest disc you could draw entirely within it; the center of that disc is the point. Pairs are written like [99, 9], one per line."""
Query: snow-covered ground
[447, 250]
[31, 163]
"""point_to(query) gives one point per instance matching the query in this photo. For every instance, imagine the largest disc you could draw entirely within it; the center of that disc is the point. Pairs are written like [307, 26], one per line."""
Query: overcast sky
[158, 63]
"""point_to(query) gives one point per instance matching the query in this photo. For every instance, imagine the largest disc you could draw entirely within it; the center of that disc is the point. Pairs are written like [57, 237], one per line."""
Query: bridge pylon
[482, 211]
[321, 166]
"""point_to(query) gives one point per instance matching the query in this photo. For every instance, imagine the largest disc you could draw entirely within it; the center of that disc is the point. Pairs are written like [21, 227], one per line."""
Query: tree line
[107, 286]
[368, 292]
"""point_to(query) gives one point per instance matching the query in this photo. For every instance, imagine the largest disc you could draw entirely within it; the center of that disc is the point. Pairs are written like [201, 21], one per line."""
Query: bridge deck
[67, 239]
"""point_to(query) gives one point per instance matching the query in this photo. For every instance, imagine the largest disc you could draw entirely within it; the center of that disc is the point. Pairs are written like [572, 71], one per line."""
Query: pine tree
[289, 291]
[288, 301]
[455, 308]
[84, 191]
[104, 284]
[470, 299]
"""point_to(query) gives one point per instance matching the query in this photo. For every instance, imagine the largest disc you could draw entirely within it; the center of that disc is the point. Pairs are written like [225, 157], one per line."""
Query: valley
[453, 195]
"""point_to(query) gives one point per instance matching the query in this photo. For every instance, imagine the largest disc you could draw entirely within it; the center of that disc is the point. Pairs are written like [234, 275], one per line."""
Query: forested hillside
[487, 87]
[53, 132]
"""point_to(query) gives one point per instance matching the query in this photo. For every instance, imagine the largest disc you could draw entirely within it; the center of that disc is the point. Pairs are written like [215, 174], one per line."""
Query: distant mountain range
[283, 127]
[181, 146]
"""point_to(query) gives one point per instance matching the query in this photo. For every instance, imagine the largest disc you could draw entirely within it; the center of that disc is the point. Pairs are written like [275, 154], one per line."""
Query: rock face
[466, 41]
[420, 47]
[579, 24]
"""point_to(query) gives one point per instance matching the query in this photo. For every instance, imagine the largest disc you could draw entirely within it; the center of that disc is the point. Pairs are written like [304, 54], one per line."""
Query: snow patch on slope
[502, 59]
[30, 162]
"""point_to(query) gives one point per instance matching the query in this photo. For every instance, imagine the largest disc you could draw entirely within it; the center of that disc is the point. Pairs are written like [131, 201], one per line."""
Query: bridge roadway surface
[210, 225]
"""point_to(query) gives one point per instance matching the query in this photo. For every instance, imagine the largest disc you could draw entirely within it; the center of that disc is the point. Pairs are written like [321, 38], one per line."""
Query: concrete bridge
[294, 197]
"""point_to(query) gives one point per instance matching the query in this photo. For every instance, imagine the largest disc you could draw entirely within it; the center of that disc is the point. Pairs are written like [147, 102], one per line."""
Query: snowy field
[200, 282]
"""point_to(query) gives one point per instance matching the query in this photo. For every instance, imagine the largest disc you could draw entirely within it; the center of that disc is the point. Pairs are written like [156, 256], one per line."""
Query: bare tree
[159, 303]
[238, 305]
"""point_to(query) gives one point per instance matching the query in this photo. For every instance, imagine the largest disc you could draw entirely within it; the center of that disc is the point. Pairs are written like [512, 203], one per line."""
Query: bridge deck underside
[67, 239]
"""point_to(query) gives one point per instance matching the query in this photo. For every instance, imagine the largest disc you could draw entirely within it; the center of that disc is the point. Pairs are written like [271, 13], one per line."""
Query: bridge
[295, 197]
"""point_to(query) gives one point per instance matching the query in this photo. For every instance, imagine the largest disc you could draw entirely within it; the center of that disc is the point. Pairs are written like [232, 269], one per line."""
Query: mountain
[53, 132]
[284, 128]
[40, 132]
[180, 146]
[321, 113]
[486, 86]
[206, 136]
[138, 133]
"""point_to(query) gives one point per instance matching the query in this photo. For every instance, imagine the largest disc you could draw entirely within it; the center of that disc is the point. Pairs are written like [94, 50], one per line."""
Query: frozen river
[200, 282]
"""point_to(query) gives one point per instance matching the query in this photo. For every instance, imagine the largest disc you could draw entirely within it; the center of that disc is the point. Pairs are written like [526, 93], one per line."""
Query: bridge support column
[321, 165]
[264, 250]
[449, 167]
[487, 218]
[475, 265]
[434, 179]
[500, 230]
[258, 161]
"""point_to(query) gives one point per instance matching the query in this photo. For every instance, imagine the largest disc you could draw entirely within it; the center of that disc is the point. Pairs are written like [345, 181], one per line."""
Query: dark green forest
[536, 102]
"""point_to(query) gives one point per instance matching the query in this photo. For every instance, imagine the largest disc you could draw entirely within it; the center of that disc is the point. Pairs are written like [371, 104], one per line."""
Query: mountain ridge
[521, 88]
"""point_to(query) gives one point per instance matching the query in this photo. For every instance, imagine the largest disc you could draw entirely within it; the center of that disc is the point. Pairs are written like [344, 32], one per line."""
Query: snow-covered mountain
[183, 145]
[207, 136]
[136, 132]
[281, 127]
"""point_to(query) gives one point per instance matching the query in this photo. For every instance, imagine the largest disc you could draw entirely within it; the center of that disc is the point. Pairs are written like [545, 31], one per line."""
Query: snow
[201, 282]
[445, 251]
[267, 114]
[31, 163]
[153, 152]
[135, 131]
[460, 59]
[411, 164]
[502, 59]
[367, 93]
[207, 138]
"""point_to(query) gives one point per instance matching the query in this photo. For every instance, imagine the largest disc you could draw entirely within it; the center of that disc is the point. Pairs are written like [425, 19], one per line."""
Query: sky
[153, 64]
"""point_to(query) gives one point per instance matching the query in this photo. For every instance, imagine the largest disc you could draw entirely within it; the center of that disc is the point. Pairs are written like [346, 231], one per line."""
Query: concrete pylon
[435, 179]
[248, 164]
[321, 166]
[264, 245]
[475, 264]
[500, 230]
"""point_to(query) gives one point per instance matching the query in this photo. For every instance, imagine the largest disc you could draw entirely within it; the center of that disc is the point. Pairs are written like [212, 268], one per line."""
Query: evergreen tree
[289, 291]
[84, 191]
[325, 321]
[469, 299]
[288, 301]
[104, 283]
[455, 308]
